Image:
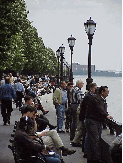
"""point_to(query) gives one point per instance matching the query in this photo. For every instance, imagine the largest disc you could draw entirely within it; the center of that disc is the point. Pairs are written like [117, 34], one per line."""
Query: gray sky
[56, 20]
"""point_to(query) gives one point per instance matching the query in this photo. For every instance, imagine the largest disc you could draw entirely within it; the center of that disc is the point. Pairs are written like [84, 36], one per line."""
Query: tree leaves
[20, 47]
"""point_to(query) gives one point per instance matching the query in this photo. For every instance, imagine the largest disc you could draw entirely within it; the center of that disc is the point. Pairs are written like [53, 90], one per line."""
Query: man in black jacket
[81, 132]
[95, 115]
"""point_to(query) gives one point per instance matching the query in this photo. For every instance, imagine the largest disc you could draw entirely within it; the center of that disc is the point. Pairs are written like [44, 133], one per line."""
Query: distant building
[81, 69]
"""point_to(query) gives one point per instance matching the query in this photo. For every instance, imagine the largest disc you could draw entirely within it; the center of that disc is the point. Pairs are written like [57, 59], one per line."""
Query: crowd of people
[84, 115]
[85, 118]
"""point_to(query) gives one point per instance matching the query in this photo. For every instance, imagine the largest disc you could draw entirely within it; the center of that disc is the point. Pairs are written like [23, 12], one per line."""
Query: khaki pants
[52, 139]
[79, 130]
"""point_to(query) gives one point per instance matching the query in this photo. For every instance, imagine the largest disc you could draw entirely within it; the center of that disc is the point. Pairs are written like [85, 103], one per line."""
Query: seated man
[25, 145]
[41, 120]
[50, 138]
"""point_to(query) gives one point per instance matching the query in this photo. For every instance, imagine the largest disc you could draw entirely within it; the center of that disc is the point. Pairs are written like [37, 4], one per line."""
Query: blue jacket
[7, 92]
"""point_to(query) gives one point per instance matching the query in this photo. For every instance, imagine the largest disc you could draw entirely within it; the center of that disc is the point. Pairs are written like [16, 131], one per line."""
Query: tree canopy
[20, 47]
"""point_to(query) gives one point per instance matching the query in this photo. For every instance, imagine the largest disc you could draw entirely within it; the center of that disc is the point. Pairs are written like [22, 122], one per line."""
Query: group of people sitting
[26, 136]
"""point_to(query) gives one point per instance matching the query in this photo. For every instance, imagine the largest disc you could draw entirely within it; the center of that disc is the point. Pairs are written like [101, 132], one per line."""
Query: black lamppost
[64, 69]
[90, 27]
[67, 71]
[58, 55]
[62, 50]
[71, 42]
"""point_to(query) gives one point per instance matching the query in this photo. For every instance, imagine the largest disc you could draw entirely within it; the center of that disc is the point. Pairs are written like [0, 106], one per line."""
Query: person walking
[7, 92]
[59, 100]
[19, 88]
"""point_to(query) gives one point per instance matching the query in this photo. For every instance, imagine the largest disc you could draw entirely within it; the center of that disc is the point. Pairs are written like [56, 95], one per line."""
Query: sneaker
[66, 151]
[45, 112]
[9, 122]
[52, 127]
[61, 131]
[75, 144]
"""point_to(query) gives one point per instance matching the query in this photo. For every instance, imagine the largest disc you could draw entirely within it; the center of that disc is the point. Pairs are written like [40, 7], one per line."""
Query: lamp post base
[88, 80]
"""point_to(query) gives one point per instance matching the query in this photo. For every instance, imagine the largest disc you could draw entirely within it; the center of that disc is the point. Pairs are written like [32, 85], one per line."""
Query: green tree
[13, 16]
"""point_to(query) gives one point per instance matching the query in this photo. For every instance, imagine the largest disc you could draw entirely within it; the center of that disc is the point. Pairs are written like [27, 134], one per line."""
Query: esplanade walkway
[5, 134]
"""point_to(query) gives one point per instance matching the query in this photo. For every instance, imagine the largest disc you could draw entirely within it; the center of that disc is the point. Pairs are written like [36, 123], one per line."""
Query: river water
[114, 99]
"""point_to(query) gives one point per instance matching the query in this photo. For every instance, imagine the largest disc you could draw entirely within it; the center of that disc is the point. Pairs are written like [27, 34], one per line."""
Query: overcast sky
[56, 20]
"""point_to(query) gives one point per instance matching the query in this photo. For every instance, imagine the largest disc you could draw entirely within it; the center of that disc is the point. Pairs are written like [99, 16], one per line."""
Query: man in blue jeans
[60, 99]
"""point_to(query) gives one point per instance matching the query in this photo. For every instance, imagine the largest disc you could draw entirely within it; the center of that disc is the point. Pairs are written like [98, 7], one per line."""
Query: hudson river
[114, 99]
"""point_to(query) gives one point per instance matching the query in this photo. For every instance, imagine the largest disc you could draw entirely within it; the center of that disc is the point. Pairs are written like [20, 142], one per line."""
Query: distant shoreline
[101, 74]
[94, 75]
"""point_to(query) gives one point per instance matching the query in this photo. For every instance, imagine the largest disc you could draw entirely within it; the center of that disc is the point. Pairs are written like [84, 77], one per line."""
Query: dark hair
[18, 80]
[27, 97]
[26, 124]
[92, 85]
[7, 80]
[28, 108]
[102, 89]
[69, 83]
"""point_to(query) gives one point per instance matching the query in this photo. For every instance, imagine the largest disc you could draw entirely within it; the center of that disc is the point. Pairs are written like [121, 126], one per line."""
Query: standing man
[7, 92]
[80, 133]
[11, 78]
[68, 111]
[95, 115]
[76, 96]
[19, 88]
[59, 100]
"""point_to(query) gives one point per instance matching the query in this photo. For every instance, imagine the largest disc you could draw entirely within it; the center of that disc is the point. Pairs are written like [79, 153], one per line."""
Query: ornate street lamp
[58, 55]
[90, 27]
[71, 42]
[62, 50]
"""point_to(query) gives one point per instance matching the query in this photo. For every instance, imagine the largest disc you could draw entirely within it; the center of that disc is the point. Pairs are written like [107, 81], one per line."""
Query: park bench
[16, 154]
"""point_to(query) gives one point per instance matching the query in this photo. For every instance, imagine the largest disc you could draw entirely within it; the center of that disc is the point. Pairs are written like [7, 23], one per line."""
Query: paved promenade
[5, 134]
